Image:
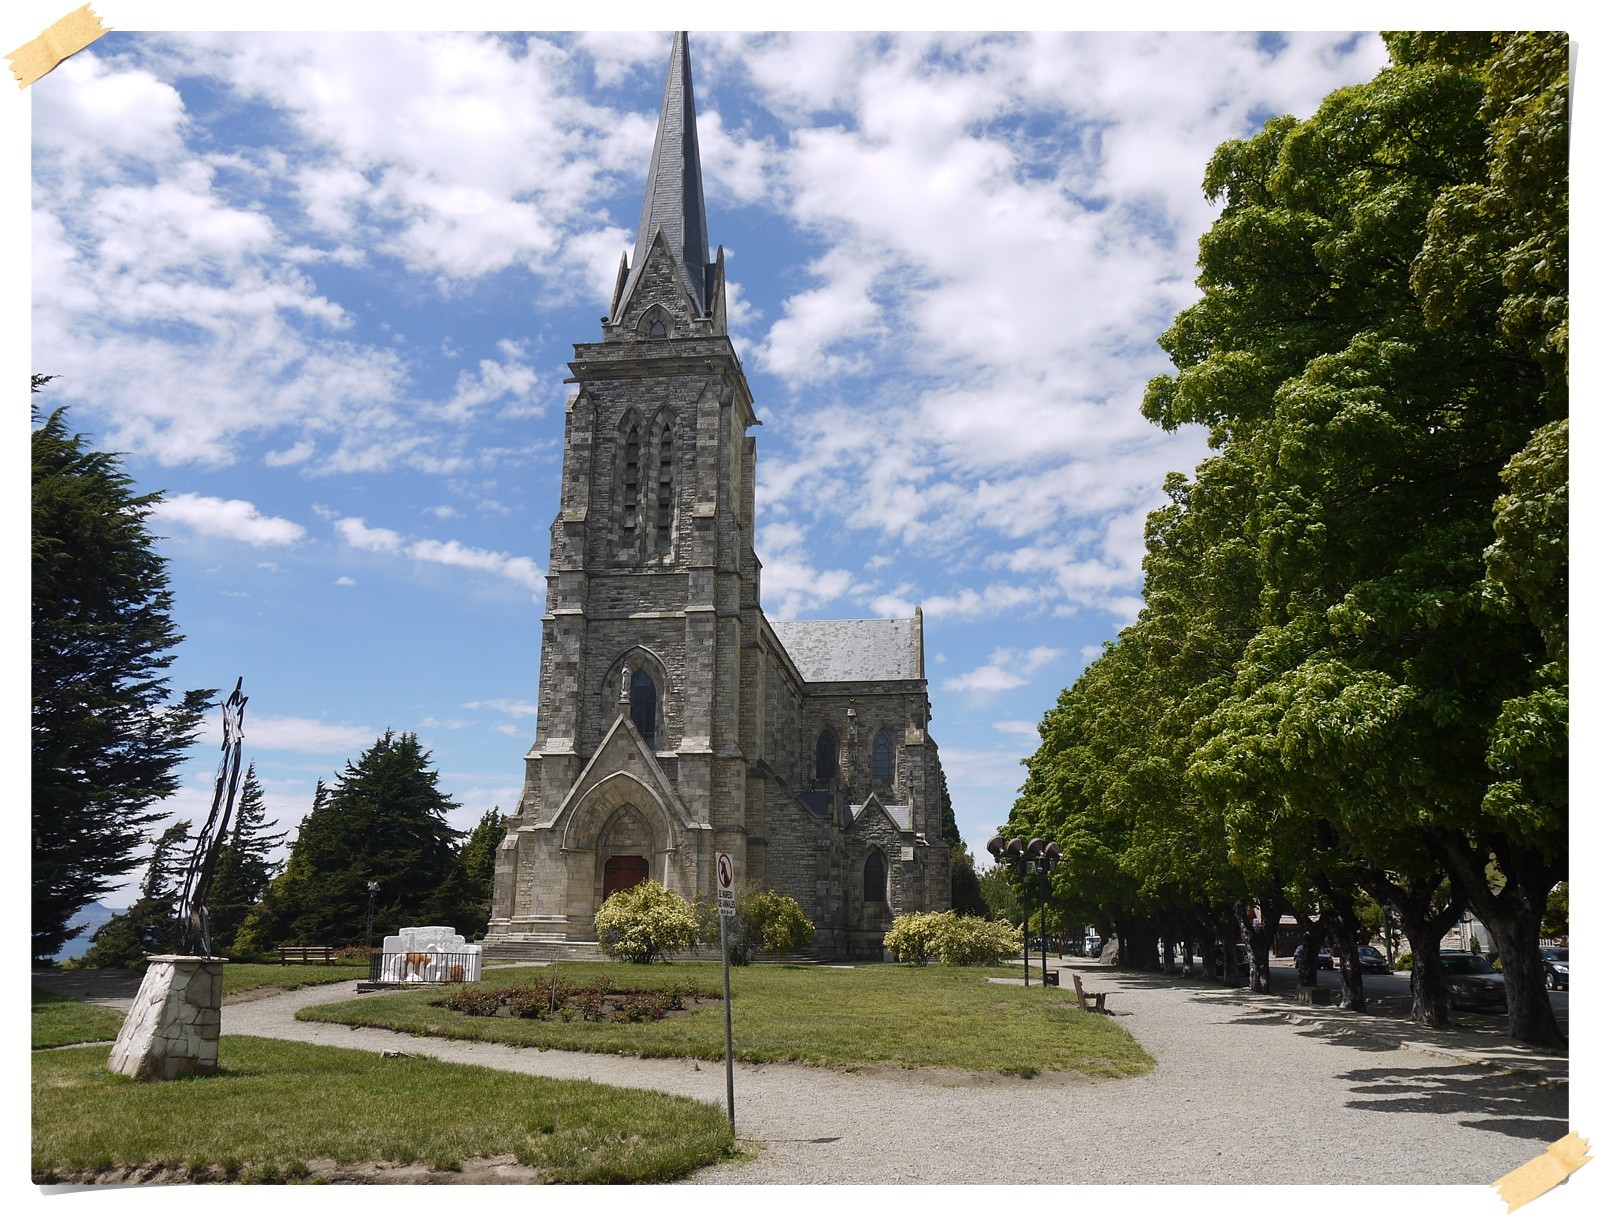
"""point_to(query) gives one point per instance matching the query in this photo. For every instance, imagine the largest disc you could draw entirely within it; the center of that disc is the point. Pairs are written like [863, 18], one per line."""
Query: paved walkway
[1246, 1089]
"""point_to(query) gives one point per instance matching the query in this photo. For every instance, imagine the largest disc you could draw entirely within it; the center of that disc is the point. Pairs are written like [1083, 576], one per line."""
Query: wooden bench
[1084, 998]
[305, 954]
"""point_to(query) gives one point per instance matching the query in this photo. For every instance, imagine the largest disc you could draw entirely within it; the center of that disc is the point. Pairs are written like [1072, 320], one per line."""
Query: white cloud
[791, 585]
[1008, 222]
[268, 732]
[1028, 730]
[357, 535]
[519, 709]
[1005, 670]
[231, 519]
[512, 381]
[521, 570]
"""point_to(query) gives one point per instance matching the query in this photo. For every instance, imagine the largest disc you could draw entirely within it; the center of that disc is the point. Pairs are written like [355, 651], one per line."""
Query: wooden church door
[622, 873]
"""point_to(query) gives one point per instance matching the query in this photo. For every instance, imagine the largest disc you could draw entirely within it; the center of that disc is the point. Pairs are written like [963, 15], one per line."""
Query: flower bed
[597, 1001]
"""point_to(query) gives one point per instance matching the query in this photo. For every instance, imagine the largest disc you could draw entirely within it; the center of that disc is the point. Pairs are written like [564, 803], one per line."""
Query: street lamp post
[372, 894]
[1036, 857]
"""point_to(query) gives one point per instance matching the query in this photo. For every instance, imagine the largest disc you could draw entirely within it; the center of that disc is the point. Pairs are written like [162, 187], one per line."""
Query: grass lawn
[61, 1020]
[274, 1107]
[917, 1017]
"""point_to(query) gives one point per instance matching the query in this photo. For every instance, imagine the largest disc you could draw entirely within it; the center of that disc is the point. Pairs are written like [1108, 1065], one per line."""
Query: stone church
[675, 720]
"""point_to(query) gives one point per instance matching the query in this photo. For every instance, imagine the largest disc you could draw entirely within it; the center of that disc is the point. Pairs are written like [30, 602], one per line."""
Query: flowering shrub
[960, 941]
[644, 923]
[911, 937]
[971, 941]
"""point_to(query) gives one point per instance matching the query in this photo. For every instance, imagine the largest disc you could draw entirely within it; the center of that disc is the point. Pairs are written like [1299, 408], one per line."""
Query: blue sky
[320, 290]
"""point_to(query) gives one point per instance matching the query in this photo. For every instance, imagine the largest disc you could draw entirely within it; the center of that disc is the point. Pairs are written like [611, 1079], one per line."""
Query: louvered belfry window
[630, 484]
[664, 494]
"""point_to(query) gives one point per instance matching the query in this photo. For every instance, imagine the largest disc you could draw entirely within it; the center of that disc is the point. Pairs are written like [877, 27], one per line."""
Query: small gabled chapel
[675, 720]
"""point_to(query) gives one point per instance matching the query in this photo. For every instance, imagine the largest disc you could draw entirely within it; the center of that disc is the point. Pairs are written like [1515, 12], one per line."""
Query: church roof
[900, 815]
[674, 199]
[828, 651]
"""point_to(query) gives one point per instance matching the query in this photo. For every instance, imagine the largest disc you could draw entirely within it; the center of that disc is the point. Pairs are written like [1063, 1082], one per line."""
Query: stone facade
[675, 720]
[172, 1027]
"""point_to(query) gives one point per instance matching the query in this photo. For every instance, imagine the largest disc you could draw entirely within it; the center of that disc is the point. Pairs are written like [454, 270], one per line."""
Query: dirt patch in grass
[478, 1171]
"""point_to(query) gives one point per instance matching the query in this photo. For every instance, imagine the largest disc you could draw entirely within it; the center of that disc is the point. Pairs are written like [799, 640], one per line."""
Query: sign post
[724, 915]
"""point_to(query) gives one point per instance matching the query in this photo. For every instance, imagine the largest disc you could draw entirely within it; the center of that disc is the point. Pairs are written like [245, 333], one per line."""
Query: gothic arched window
[630, 484]
[642, 704]
[658, 330]
[827, 756]
[882, 757]
[875, 879]
[664, 494]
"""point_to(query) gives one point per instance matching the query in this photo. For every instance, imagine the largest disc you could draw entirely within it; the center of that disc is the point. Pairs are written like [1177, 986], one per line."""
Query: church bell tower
[636, 770]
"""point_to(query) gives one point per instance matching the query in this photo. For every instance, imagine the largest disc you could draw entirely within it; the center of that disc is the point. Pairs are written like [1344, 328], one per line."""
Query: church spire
[674, 199]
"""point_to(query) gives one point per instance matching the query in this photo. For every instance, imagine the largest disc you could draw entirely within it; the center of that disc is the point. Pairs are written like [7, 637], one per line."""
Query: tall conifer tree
[106, 736]
[244, 865]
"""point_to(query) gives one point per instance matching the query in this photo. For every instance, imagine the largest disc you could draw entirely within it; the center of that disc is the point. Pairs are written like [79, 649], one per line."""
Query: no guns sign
[724, 885]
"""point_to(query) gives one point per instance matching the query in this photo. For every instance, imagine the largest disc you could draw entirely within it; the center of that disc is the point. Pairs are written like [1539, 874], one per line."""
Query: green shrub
[644, 923]
[1402, 961]
[959, 941]
[971, 941]
[911, 937]
[709, 927]
[774, 921]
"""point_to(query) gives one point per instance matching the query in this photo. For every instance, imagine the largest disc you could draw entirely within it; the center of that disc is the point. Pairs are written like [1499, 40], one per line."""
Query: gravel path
[1331, 1096]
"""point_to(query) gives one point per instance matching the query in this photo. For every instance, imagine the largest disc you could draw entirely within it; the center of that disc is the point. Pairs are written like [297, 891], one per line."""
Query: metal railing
[425, 967]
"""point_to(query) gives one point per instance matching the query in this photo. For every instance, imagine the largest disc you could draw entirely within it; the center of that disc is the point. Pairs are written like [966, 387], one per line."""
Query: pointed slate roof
[674, 198]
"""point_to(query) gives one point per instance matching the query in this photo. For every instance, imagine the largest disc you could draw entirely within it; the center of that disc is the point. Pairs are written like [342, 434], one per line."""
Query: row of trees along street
[1350, 672]
[107, 737]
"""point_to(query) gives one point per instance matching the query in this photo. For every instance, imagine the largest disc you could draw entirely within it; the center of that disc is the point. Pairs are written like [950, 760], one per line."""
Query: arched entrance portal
[622, 872]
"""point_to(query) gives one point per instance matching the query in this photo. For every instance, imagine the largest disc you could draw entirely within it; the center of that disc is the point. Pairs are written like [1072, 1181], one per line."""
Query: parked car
[1470, 982]
[1372, 960]
[1555, 966]
[1092, 947]
[1241, 953]
[1324, 959]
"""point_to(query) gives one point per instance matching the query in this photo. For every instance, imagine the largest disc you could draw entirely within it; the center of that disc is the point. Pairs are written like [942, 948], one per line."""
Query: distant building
[675, 720]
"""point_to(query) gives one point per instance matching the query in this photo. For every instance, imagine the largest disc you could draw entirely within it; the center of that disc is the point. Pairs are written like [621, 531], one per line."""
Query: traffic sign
[724, 884]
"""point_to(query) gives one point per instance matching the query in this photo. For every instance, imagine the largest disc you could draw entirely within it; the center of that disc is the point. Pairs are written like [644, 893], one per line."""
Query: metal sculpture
[194, 921]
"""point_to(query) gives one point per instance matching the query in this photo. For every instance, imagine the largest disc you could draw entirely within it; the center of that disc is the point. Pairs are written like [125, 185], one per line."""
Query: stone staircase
[552, 948]
[541, 948]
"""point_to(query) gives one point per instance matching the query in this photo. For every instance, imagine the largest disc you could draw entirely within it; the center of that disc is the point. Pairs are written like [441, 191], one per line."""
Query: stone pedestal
[173, 1027]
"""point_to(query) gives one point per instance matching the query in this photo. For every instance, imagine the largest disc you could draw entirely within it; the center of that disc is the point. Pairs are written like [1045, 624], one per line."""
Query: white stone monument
[172, 1028]
[430, 954]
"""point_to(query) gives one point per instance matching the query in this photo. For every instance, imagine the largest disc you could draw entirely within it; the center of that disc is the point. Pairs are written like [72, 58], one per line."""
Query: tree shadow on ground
[1508, 1105]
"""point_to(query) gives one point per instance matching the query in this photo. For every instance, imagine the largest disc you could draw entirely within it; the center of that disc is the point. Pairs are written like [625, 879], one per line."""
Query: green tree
[383, 821]
[1556, 911]
[107, 737]
[1000, 895]
[244, 865]
[644, 923]
[465, 901]
[966, 892]
[1366, 343]
[150, 925]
